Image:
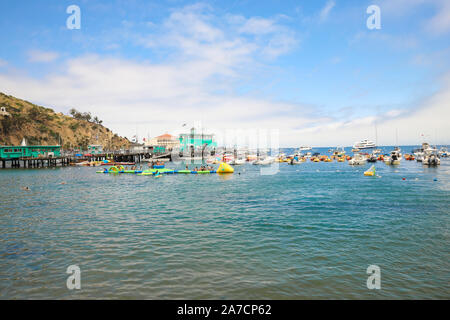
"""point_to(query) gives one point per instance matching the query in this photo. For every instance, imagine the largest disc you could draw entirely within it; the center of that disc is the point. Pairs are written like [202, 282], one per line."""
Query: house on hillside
[3, 112]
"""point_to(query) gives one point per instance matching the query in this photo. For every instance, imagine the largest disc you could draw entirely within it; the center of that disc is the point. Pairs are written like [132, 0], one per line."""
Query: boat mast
[396, 137]
[376, 135]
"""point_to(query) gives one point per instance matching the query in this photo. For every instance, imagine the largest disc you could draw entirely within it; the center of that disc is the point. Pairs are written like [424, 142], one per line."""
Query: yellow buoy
[370, 172]
[225, 168]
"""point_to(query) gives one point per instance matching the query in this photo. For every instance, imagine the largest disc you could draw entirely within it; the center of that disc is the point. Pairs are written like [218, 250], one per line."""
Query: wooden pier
[62, 161]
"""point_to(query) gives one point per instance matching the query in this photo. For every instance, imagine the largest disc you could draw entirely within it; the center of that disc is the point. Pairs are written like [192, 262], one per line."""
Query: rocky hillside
[42, 126]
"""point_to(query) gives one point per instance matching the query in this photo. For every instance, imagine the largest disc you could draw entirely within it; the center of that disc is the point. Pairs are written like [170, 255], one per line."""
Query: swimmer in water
[26, 188]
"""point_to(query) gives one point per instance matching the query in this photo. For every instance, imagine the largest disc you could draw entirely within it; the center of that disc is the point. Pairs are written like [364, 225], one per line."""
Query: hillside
[42, 126]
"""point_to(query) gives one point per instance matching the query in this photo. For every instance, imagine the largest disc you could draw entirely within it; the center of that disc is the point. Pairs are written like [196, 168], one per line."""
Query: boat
[364, 144]
[305, 148]
[338, 153]
[357, 159]
[443, 152]
[295, 160]
[431, 159]
[237, 162]
[425, 150]
[227, 157]
[398, 151]
[394, 158]
[265, 161]
[373, 157]
[213, 161]
[81, 164]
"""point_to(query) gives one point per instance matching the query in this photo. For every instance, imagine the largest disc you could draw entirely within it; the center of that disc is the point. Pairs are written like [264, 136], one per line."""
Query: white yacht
[305, 148]
[364, 144]
[424, 151]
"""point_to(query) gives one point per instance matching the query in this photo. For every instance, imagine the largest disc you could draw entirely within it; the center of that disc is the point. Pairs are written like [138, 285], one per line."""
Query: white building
[3, 112]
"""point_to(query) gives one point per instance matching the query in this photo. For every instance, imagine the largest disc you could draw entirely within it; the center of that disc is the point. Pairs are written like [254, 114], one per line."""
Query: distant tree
[73, 112]
[86, 116]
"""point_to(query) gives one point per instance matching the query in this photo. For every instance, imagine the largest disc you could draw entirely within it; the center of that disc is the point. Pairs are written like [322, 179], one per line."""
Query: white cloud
[440, 23]
[207, 54]
[195, 31]
[159, 98]
[42, 56]
[430, 117]
[258, 26]
[196, 83]
[325, 12]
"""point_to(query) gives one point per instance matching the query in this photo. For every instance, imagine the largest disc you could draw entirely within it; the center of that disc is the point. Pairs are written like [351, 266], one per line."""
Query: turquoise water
[309, 231]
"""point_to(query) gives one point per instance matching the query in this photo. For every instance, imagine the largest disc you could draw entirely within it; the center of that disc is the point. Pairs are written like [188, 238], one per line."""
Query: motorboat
[424, 151]
[431, 159]
[376, 151]
[394, 158]
[364, 144]
[357, 159]
[373, 157]
[338, 153]
[398, 151]
[305, 148]
[237, 162]
[443, 152]
[265, 161]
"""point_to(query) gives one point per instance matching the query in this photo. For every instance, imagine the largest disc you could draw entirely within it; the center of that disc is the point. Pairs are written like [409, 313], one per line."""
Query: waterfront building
[167, 141]
[195, 140]
[16, 152]
[136, 147]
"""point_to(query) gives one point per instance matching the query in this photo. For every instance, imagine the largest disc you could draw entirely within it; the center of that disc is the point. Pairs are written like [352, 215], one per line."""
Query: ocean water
[308, 232]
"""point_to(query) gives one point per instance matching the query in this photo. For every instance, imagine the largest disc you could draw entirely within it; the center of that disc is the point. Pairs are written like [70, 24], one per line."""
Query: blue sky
[311, 69]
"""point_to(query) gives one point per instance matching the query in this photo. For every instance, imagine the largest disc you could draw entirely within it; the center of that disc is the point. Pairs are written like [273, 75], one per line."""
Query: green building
[95, 149]
[196, 140]
[16, 152]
